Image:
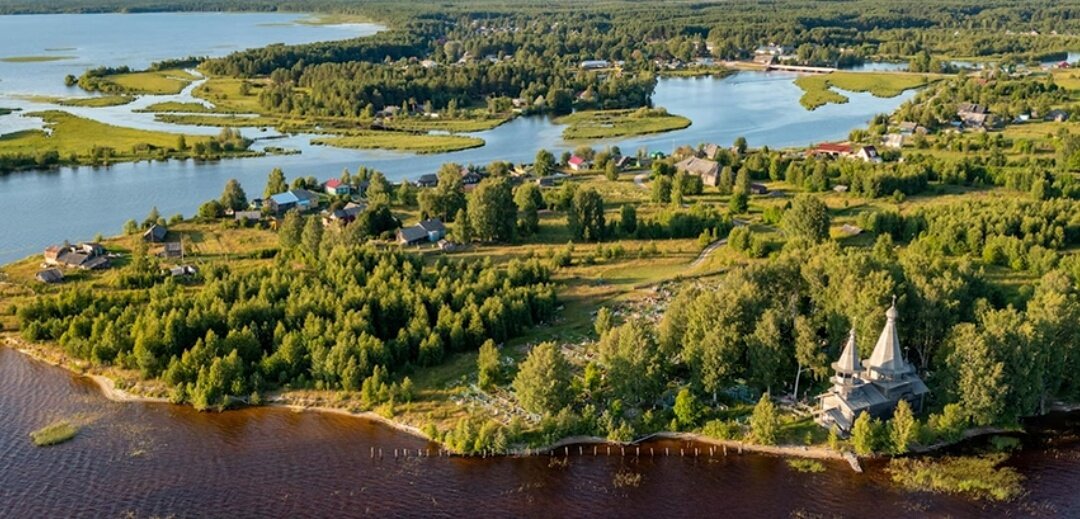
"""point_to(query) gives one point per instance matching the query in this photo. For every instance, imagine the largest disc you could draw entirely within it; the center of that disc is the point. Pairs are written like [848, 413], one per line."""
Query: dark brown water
[163, 460]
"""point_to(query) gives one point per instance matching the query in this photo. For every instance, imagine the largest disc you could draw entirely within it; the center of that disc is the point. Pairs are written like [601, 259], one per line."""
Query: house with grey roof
[708, 170]
[873, 386]
[431, 230]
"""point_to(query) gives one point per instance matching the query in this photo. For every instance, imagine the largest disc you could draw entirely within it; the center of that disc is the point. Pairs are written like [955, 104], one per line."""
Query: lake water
[78, 203]
[143, 460]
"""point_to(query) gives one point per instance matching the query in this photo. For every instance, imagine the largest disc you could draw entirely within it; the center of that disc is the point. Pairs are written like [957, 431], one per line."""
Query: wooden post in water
[651, 453]
[622, 451]
[566, 451]
[637, 452]
[609, 450]
[667, 452]
[725, 450]
[594, 450]
[681, 453]
[373, 453]
[579, 450]
[695, 452]
[380, 453]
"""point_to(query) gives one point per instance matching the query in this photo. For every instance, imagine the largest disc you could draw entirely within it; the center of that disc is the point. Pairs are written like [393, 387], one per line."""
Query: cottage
[85, 256]
[470, 178]
[173, 249]
[758, 189]
[708, 170]
[831, 149]
[547, 181]
[972, 115]
[626, 162]
[710, 151]
[431, 230]
[50, 276]
[873, 387]
[428, 180]
[447, 245]
[1059, 116]
[247, 216]
[335, 187]
[155, 234]
[299, 199]
[868, 154]
[894, 141]
[183, 270]
[343, 216]
[578, 164]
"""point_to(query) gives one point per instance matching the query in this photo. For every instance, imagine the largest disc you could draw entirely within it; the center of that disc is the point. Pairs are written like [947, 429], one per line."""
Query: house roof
[432, 225]
[833, 147]
[50, 276]
[698, 166]
[576, 161]
[333, 183]
[156, 233]
[411, 234]
[287, 197]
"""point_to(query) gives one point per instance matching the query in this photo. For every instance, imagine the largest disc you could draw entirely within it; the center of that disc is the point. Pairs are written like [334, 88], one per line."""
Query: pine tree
[903, 428]
[862, 435]
[275, 183]
[687, 412]
[542, 384]
[487, 365]
[764, 422]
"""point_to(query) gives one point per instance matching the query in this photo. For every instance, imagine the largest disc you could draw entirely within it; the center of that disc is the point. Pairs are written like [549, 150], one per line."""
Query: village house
[50, 276]
[299, 199]
[427, 180]
[335, 187]
[893, 141]
[758, 189]
[578, 164]
[972, 115]
[155, 234]
[709, 151]
[708, 170]
[868, 154]
[85, 256]
[1058, 116]
[173, 249]
[247, 216]
[832, 149]
[431, 230]
[343, 216]
[875, 386]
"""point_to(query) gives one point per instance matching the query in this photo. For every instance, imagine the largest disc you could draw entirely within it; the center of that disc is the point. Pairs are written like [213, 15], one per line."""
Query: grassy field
[174, 107]
[417, 143]
[160, 82]
[34, 59]
[96, 102]
[226, 95]
[220, 121]
[447, 125]
[818, 88]
[600, 124]
[75, 136]
[54, 433]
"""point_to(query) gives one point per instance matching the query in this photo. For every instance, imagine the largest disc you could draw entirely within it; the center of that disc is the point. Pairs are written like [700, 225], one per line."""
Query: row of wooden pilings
[377, 453]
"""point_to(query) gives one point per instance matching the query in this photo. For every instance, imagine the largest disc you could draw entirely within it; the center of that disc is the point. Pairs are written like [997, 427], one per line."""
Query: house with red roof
[578, 164]
[335, 187]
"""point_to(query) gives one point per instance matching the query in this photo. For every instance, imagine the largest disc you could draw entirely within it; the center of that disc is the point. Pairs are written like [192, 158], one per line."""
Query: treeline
[357, 313]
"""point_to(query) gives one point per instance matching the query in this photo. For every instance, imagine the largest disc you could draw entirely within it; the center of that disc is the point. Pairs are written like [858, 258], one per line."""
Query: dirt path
[707, 251]
[639, 180]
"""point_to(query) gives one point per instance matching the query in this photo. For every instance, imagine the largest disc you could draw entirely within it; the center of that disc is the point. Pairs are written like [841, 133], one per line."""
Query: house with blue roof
[299, 199]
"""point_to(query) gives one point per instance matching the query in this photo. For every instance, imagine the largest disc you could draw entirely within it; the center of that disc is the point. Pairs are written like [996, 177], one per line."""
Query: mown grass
[34, 59]
[416, 143]
[54, 433]
[160, 82]
[980, 477]
[601, 124]
[818, 88]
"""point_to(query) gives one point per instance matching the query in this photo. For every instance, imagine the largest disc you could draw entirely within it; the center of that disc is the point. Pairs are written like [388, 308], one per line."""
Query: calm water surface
[166, 460]
[78, 203]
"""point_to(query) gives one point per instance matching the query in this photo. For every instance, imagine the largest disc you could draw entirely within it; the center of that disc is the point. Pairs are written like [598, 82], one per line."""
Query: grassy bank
[218, 121]
[84, 141]
[175, 107]
[96, 102]
[467, 125]
[602, 124]
[818, 89]
[34, 59]
[54, 433]
[157, 82]
[416, 143]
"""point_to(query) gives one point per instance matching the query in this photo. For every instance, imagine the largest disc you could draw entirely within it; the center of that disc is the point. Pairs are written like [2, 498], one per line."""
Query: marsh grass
[54, 433]
[805, 465]
[981, 477]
